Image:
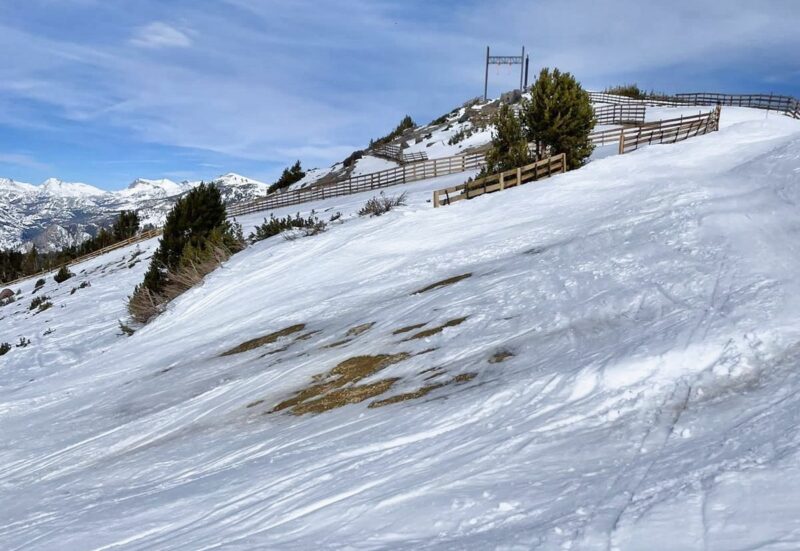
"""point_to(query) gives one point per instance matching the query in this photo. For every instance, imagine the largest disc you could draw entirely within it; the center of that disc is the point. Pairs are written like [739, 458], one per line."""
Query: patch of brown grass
[464, 378]
[396, 399]
[359, 329]
[436, 330]
[344, 396]
[423, 391]
[408, 329]
[337, 344]
[338, 387]
[266, 339]
[442, 283]
[306, 336]
[500, 357]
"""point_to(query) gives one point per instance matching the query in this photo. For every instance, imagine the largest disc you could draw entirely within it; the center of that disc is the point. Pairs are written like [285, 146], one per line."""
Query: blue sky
[105, 91]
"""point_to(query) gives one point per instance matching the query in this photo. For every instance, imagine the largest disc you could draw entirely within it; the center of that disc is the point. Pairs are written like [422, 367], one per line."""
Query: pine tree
[509, 148]
[188, 225]
[559, 118]
[288, 177]
[126, 225]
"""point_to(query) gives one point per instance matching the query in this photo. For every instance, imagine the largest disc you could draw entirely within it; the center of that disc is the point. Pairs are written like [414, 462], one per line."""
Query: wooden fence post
[519, 176]
[502, 182]
[621, 143]
[436, 199]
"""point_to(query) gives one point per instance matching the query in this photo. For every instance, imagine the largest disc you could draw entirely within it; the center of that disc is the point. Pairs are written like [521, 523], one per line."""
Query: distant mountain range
[56, 214]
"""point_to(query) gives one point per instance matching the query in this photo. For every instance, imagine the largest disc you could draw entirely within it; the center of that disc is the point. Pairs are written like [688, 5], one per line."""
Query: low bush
[627, 90]
[62, 275]
[126, 329]
[23, 342]
[274, 226]
[39, 284]
[406, 124]
[5, 348]
[352, 158]
[39, 301]
[460, 136]
[382, 204]
[83, 285]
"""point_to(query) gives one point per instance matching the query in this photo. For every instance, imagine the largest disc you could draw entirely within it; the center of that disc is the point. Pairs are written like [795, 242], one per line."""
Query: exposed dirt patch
[436, 330]
[338, 387]
[443, 283]
[408, 329]
[266, 339]
[500, 357]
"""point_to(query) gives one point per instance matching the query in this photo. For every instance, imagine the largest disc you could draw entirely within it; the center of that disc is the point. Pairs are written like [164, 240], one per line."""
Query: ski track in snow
[650, 303]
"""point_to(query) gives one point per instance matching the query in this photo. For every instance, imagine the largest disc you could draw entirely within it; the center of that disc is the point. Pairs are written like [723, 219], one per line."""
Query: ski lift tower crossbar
[503, 60]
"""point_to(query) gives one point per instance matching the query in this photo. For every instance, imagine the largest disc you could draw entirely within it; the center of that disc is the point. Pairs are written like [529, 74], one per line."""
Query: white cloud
[160, 35]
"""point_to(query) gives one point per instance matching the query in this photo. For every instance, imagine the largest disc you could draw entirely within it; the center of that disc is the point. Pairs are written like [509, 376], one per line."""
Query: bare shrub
[382, 204]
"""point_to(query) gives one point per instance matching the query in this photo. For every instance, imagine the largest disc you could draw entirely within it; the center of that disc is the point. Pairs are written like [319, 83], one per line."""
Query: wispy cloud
[160, 35]
[22, 160]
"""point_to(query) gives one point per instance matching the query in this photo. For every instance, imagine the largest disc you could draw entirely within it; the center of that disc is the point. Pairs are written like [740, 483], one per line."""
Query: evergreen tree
[289, 176]
[509, 148]
[126, 225]
[188, 224]
[559, 117]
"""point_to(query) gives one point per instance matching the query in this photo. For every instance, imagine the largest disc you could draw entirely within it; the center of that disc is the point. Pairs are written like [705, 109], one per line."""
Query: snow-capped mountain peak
[56, 187]
[162, 187]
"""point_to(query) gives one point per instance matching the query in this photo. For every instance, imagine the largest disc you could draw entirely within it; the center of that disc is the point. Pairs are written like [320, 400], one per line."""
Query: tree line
[16, 264]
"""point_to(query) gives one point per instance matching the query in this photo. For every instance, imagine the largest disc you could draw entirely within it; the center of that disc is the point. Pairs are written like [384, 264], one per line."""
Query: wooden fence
[669, 131]
[620, 114]
[432, 168]
[396, 153]
[618, 135]
[144, 236]
[413, 172]
[771, 102]
[498, 182]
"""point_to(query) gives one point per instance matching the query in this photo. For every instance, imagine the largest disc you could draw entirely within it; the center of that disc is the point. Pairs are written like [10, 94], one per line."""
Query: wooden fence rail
[396, 153]
[413, 172]
[670, 131]
[787, 105]
[503, 180]
[144, 236]
[620, 114]
[615, 135]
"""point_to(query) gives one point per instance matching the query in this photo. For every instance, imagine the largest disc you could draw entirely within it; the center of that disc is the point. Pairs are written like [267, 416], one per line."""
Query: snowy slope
[650, 400]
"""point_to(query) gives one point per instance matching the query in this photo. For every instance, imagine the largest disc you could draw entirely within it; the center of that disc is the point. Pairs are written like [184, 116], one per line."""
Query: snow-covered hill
[56, 214]
[609, 361]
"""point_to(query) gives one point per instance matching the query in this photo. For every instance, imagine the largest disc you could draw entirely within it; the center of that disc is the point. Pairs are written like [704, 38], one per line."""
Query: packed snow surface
[620, 371]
